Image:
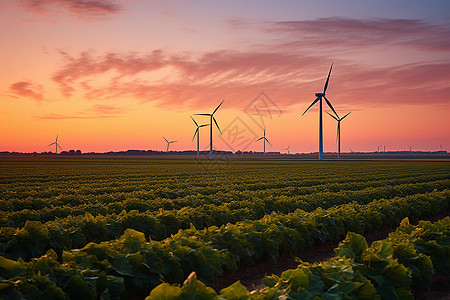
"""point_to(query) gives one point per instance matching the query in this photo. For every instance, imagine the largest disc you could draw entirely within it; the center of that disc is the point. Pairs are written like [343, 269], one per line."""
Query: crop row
[130, 266]
[161, 223]
[16, 211]
[137, 265]
[388, 269]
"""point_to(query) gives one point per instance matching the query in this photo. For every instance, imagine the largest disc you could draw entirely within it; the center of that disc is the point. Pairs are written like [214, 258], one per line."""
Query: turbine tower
[287, 148]
[378, 149]
[410, 147]
[56, 145]
[265, 140]
[211, 128]
[168, 143]
[338, 137]
[319, 99]
[197, 132]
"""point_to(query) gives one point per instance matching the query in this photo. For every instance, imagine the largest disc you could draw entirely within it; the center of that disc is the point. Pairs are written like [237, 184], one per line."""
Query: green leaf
[236, 291]
[165, 291]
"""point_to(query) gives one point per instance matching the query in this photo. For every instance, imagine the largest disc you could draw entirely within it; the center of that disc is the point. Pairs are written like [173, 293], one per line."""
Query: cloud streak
[81, 8]
[98, 111]
[348, 34]
[194, 81]
[27, 89]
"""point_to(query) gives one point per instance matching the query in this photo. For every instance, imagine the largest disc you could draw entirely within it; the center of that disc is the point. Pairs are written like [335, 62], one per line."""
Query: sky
[108, 75]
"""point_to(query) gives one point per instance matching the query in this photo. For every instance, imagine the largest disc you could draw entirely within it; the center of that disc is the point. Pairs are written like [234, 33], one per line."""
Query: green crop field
[119, 228]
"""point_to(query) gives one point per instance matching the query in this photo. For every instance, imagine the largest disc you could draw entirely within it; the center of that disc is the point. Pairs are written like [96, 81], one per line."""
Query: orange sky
[117, 75]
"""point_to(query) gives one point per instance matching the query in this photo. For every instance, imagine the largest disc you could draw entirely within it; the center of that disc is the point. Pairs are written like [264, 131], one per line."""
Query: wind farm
[260, 188]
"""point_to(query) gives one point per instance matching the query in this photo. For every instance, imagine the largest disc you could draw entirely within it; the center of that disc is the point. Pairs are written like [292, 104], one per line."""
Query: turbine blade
[264, 130]
[202, 115]
[194, 121]
[314, 102]
[328, 78]
[204, 125]
[59, 146]
[218, 107]
[51, 144]
[259, 139]
[196, 131]
[217, 124]
[329, 105]
[268, 142]
[165, 139]
[345, 115]
[332, 116]
[289, 147]
[173, 141]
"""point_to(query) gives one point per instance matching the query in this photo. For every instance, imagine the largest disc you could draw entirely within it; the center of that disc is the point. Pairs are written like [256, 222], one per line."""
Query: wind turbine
[56, 145]
[378, 150]
[211, 128]
[168, 143]
[287, 148]
[265, 140]
[338, 137]
[197, 132]
[319, 99]
[410, 147]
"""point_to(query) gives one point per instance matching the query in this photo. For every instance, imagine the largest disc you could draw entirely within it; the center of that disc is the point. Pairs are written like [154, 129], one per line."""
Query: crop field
[127, 229]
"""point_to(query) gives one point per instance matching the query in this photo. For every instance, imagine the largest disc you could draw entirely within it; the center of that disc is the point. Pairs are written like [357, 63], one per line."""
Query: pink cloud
[81, 8]
[240, 76]
[28, 90]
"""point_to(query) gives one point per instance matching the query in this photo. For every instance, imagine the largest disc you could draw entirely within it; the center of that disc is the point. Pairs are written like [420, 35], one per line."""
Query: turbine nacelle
[320, 95]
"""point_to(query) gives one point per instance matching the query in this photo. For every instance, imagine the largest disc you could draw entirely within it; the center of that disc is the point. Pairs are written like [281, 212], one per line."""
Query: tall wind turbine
[211, 128]
[338, 137]
[265, 140]
[410, 147]
[56, 145]
[319, 99]
[168, 143]
[287, 148]
[197, 132]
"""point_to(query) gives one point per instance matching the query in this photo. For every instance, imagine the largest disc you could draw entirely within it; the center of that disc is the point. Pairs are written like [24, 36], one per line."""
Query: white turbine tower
[338, 136]
[319, 99]
[211, 128]
[168, 143]
[197, 132]
[265, 140]
[287, 149]
[56, 145]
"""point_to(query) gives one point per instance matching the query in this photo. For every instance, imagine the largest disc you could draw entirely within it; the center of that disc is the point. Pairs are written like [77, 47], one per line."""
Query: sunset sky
[115, 75]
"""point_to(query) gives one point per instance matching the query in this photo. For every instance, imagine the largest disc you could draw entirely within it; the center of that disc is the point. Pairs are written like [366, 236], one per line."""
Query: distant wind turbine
[287, 148]
[197, 132]
[319, 99]
[410, 147]
[378, 150]
[168, 143]
[265, 140]
[384, 148]
[211, 128]
[56, 145]
[338, 136]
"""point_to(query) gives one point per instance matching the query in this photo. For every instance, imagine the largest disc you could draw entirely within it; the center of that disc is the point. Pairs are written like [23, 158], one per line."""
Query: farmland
[119, 227]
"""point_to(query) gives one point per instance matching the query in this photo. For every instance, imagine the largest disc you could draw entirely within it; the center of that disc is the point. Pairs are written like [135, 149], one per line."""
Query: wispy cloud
[239, 76]
[27, 89]
[348, 34]
[98, 111]
[83, 9]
